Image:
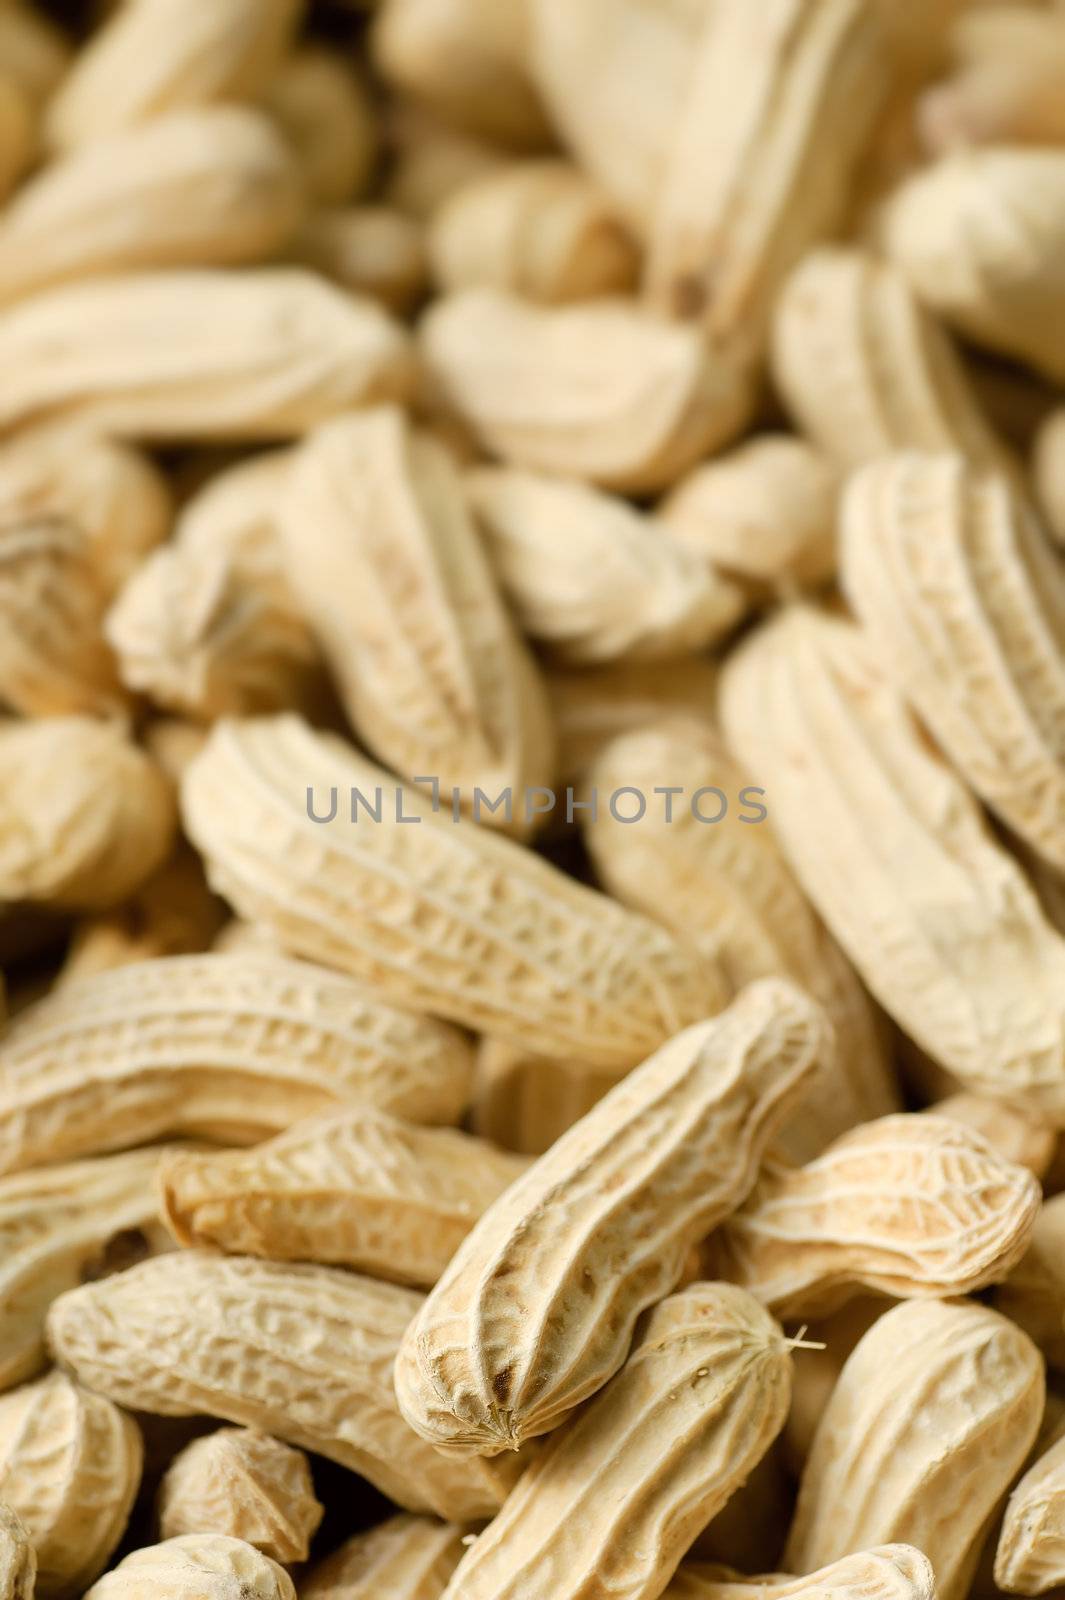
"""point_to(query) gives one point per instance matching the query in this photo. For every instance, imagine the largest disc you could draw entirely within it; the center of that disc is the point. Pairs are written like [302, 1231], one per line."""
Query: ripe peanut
[326, 112]
[233, 1047]
[891, 1572]
[932, 1416]
[302, 1352]
[1034, 1293]
[1030, 1558]
[536, 1309]
[359, 1189]
[196, 1567]
[246, 1485]
[1015, 1132]
[405, 1558]
[616, 1498]
[908, 1206]
[602, 391]
[70, 1466]
[385, 557]
[18, 1564]
[371, 250]
[450, 919]
[170, 355]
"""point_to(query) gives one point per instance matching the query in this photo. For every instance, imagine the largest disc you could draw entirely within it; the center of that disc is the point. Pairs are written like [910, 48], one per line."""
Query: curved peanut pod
[198, 354]
[1049, 468]
[963, 601]
[981, 237]
[604, 391]
[892, 1572]
[866, 371]
[385, 557]
[155, 56]
[438, 916]
[614, 1501]
[536, 1309]
[211, 187]
[808, 1238]
[539, 228]
[199, 1566]
[1030, 1558]
[1004, 85]
[780, 103]
[85, 816]
[18, 1564]
[727, 888]
[327, 114]
[896, 856]
[229, 1046]
[60, 1226]
[1014, 1131]
[70, 1466]
[1034, 1293]
[247, 1485]
[932, 1416]
[370, 250]
[302, 1352]
[360, 1189]
[593, 578]
[405, 1558]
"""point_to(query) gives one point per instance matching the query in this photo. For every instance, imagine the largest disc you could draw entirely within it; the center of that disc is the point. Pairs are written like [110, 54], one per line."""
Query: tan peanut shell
[155, 56]
[432, 160]
[1014, 1131]
[405, 1558]
[198, 353]
[1034, 1293]
[247, 1485]
[35, 52]
[890, 1572]
[615, 1499]
[764, 513]
[211, 187]
[437, 916]
[525, 1102]
[779, 104]
[807, 1238]
[62, 1225]
[725, 886]
[210, 625]
[895, 855]
[963, 600]
[602, 391]
[195, 1567]
[302, 1352]
[18, 1564]
[70, 1465]
[1048, 467]
[233, 1047]
[371, 250]
[18, 133]
[360, 1189]
[981, 237]
[595, 705]
[85, 816]
[932, 1416]
[325, 111]
[866, 371]
[540, 229]
[537, 1307]
[1003, 86]
[385, 557]
[1030, 1558]
[593, 578]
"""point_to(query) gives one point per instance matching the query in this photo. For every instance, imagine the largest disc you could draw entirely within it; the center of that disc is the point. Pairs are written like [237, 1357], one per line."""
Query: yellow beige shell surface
[70, 1465]
[327, 114]
[592, 578]
[891, 1572]
[246, 1484]
[386, 559]
[438, 916]
[932, 1416]
[615, 1499]
[536, 1310]
[229, 1046]
[360, 1189]
[1016, 1132]
[1034, 1293]
[405, 1558]
[908, 1205]
[1002, 83]
[1030, 1558]
[963, 600]
[894, 853]
[18, 1564]
[195, 1567]
[302, 1352]
[60, 1226]
[374, 250]
[726, 886]
[198, 353]
[604, 391]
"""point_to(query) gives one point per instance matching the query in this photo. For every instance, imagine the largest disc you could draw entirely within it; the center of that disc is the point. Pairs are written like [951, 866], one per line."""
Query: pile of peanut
[653, 412]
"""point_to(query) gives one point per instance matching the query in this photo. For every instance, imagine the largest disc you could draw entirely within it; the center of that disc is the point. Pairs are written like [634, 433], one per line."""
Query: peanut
[325, 111]
[18, 1564]
[195, 1567]
[405, 1558]
[1030, 1558]
[245, 1485]
[1034, 1293]
[892, 1572]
